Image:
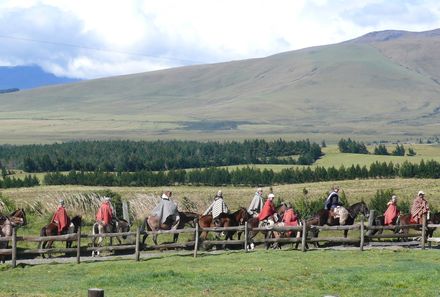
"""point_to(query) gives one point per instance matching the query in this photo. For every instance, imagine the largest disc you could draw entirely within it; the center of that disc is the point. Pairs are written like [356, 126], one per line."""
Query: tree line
[133, 156]
[247, 176]
[354, 147]
[12, 182]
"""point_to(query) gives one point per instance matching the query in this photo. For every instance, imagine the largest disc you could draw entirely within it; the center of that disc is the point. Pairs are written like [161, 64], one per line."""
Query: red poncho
[104, 213]
[391, 214]
[61, 219]
[267, 211]
[290, 218]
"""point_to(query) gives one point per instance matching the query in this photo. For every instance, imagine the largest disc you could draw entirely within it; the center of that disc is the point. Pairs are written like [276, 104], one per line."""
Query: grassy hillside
[369, 90]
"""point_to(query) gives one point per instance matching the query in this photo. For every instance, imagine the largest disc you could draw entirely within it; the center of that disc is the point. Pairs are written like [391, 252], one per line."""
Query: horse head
[19, 217]
[241, 215]
[76, 221]
[359, 207]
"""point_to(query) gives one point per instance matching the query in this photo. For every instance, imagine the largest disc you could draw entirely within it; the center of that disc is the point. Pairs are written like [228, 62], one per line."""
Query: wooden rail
[303, 240]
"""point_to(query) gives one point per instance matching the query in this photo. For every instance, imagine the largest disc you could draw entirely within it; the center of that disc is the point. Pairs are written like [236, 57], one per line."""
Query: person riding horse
[256, 205]
[60, 218]
[335, 208]
[267, 214]
[104, 216]
[419, 208]
[166, 210]
[218, 209]
[392, 213]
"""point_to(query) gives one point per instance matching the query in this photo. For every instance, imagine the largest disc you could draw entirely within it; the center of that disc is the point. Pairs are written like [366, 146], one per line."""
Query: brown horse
[236, 218]
[254, 222]
[7, 223]
[152, 223]
[405, 219]
[323, 216]
[51, 229]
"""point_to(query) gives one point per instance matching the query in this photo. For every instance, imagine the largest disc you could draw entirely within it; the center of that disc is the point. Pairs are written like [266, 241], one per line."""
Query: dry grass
[84, 200]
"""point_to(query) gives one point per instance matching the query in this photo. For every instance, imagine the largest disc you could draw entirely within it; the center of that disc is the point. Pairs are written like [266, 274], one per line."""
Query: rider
[334, 206]
[256, 204]
[268, 210]
[419, 208]
[104, 215]
[332, 200]
[60, 218]
[218, 209]
[290, 218]
[392, 213]
[167, 208]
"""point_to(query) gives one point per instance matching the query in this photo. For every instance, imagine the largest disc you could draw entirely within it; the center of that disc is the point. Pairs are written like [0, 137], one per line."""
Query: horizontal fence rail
[299, 235]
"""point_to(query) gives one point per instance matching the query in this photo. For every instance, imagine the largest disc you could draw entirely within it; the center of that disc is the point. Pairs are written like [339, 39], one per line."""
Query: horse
[51, 229]
[254, 222]
[18, 217]
[151, 223]
[7, 223]
[405, 219]
[116, 226]
[236, 218]
[322, 218]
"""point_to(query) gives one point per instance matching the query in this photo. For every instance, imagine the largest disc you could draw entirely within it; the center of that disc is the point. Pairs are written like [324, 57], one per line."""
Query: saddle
[340, 213]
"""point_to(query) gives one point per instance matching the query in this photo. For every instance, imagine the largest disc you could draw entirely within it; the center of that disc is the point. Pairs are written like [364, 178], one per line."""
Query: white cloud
[143, 35]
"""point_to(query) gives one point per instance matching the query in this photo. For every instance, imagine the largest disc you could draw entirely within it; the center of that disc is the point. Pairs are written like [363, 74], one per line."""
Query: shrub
[306, 208]
[380, 200]
[6, 205]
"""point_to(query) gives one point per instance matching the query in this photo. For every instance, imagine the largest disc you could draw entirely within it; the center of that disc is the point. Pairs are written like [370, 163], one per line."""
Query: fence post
[371, 220]
[125, 211]
[196, 244]
[78, 246]
[14, 248]
[361, 245]
[423, 231]
[138, 239]
[96, 292]
[246, 237]
[304, 236]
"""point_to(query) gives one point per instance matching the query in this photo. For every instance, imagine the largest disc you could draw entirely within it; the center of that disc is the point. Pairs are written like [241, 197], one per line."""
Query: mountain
[28, 77]
[381, 86]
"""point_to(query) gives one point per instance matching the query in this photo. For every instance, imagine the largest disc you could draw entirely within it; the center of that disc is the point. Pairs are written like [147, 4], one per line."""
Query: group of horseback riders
[104, 216]
[419, 208]
[266, 212]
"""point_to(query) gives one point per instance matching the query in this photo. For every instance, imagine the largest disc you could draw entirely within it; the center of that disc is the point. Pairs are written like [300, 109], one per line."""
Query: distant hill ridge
[383, 85]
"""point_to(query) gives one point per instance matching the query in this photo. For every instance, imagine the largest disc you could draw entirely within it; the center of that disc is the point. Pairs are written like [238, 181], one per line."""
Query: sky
[99, 38]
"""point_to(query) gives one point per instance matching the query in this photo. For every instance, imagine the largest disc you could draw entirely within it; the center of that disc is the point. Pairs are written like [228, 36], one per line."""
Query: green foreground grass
[262, 273]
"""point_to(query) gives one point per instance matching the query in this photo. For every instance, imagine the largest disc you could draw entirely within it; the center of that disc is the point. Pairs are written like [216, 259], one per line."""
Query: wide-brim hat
[421, 193]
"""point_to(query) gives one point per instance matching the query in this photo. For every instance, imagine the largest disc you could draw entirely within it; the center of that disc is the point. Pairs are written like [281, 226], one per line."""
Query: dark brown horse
[51, 229]
[152, 223]
[236, 218]
[322, 218]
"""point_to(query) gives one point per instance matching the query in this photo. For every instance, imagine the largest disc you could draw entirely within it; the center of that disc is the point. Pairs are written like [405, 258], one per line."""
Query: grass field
[260, 273]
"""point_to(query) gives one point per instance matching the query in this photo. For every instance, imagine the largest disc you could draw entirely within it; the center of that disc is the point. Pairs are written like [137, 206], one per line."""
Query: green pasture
[333, 157]
[400, 272]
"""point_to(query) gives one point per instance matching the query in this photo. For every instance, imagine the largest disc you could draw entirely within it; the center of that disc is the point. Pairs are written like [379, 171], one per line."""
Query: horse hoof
[252, 246]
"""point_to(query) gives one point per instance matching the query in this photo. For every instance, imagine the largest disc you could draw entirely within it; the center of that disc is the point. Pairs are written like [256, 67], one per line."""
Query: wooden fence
[304, 240]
